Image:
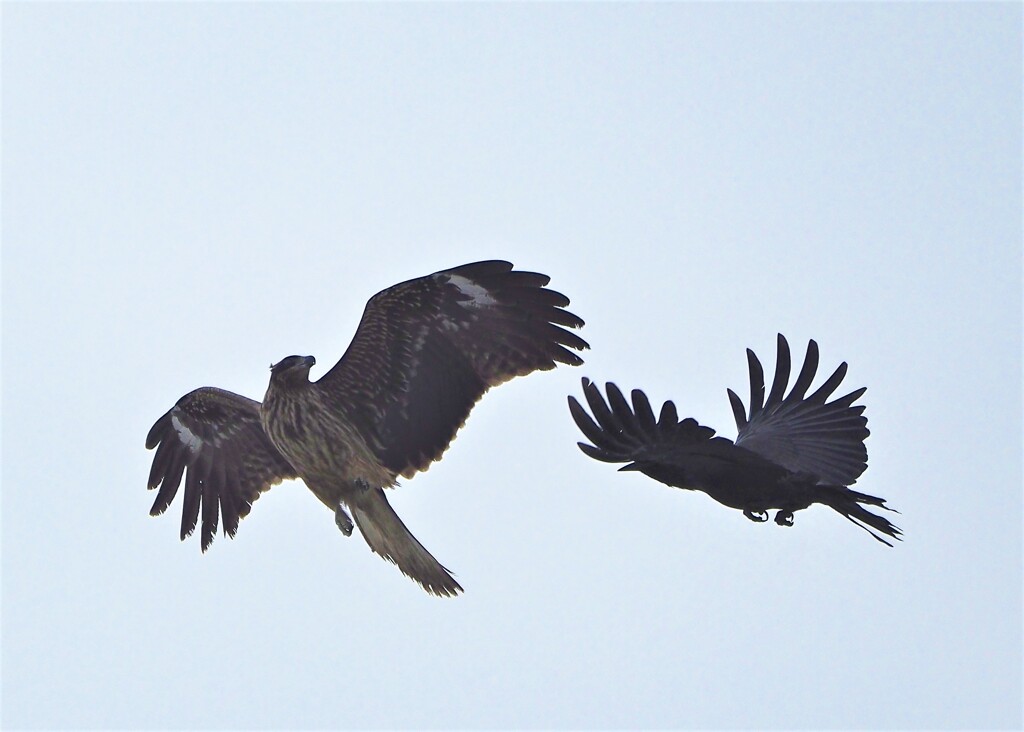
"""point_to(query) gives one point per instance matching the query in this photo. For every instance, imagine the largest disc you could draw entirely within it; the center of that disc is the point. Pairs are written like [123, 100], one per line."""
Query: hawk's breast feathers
[424, 353]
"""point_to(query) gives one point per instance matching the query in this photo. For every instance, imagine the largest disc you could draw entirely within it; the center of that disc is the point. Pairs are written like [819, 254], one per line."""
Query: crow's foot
[784, 518]
[758, 517]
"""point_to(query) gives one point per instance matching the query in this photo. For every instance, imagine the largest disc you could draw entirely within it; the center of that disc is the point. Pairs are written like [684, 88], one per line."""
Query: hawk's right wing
[217, 436]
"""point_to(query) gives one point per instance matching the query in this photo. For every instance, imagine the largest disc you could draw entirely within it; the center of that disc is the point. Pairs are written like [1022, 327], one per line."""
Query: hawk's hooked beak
[310, 361]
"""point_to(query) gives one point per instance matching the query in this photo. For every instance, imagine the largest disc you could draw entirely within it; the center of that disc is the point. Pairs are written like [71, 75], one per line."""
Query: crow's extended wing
[623, 433]
[805, 434]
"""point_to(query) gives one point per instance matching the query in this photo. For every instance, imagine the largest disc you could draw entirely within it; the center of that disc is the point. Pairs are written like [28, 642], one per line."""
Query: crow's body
[425, 351]
[791, 452]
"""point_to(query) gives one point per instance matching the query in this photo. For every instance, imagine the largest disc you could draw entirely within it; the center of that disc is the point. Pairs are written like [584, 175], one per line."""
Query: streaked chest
[319, 439]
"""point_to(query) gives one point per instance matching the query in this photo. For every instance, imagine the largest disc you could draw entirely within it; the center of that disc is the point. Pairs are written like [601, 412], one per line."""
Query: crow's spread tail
[848, 503]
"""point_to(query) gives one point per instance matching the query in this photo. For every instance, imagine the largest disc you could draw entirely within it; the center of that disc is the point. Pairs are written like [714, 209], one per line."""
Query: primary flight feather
[424, 353]
[791, 451]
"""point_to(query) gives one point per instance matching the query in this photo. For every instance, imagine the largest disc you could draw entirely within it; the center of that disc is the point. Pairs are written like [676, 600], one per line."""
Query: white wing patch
[188, 438]
[479, 297]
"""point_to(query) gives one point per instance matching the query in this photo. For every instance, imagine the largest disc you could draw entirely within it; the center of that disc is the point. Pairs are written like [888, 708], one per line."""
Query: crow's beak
[631, 466]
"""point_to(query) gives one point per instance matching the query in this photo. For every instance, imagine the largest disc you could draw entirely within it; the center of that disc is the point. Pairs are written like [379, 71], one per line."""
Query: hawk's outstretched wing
[803, 434]
[426, 350]
[217, 436]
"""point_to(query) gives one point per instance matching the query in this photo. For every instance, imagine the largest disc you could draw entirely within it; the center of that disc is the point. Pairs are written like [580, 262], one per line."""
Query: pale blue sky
[192, 191]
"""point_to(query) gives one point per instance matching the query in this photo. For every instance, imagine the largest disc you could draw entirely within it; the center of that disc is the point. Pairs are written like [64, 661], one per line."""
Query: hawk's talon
[343, 521]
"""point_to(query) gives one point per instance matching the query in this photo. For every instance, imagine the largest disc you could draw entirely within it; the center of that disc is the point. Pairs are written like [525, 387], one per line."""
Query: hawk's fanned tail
[388, 536]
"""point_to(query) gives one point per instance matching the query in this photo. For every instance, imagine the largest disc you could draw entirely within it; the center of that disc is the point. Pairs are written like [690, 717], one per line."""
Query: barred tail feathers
[387, 536]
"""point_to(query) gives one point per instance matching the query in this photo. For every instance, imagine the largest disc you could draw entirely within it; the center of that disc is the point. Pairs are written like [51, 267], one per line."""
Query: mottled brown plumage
[425, 351]
[218, 437]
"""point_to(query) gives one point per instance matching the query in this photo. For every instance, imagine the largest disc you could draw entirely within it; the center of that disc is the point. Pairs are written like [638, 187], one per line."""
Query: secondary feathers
[425, 352]
[792, 449]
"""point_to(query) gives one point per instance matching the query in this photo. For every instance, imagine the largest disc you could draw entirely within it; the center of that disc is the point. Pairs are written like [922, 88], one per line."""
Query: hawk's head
[291, 371]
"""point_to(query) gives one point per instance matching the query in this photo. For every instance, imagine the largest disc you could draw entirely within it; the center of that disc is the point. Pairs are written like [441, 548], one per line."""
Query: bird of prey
[791, 451]
[424, 353]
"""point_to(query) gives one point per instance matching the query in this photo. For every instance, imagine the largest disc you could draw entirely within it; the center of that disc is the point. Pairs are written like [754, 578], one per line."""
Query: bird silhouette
[792, 450]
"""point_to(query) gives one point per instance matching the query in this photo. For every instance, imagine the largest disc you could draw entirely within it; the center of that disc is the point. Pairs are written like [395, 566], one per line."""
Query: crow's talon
[784, 518]
[758, 517]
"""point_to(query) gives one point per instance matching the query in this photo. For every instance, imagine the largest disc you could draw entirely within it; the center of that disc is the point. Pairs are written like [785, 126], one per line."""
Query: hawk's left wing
[217, 436]
[426, 350]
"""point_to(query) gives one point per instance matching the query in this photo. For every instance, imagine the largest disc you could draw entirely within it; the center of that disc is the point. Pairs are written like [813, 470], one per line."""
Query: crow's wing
[804, 434]
[217, 436]
[621, 432]
[426, 350]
